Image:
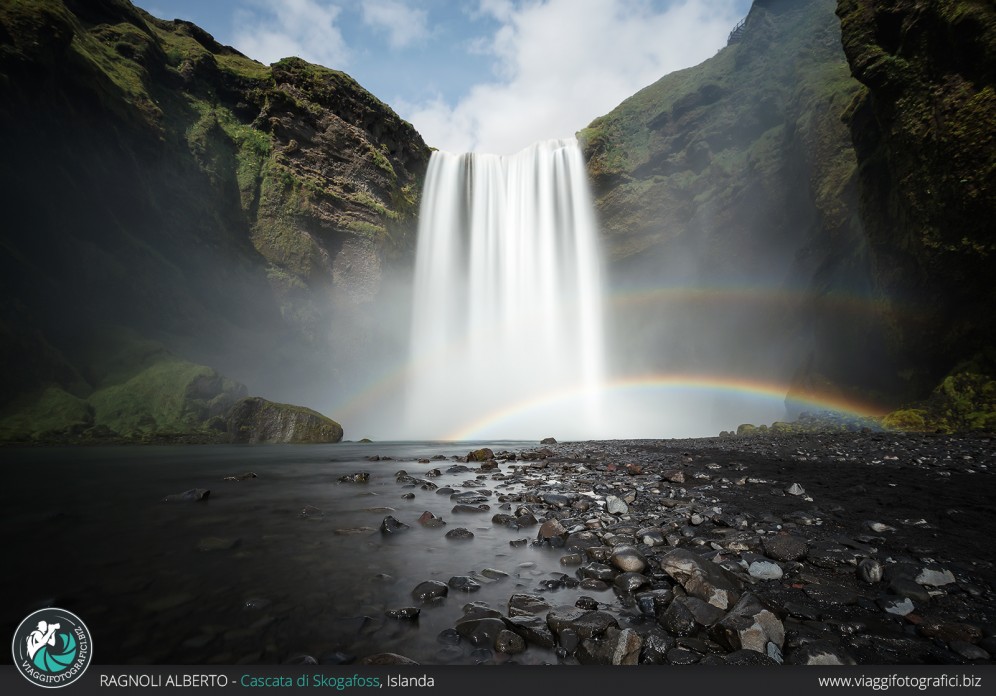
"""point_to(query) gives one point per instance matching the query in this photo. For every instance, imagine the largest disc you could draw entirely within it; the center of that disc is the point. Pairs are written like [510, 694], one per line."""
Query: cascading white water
[507, 321]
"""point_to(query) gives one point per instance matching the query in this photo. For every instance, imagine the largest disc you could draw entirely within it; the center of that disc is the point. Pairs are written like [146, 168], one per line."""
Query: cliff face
[728, 201]
[924, 128]
[159, 186]
[863, 212]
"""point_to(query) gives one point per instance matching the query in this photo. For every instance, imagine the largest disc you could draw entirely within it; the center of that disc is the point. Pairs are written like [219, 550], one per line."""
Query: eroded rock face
[256, 421]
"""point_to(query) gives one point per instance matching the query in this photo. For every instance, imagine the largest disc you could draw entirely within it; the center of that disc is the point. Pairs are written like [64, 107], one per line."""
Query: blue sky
[486, 75]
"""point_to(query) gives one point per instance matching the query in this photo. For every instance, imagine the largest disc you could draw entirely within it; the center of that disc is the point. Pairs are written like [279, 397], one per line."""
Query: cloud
[404, 25]
[303, 28]
[558, 64]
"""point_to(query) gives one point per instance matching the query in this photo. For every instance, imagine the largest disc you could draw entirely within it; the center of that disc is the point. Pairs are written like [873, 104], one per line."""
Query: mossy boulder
[907, 419]
[257, 421]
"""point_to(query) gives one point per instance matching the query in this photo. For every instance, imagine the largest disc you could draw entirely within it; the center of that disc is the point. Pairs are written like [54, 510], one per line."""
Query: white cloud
[404, 25]
[561, 63]
[303, 28]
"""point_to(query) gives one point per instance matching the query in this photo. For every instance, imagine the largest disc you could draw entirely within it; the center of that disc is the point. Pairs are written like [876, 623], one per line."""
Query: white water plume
[508, 295]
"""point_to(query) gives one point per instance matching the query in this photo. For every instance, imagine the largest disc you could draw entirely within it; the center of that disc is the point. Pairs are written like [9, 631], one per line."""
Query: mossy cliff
[728, 190]
[924, 129]
[833, 177]
[157, 182]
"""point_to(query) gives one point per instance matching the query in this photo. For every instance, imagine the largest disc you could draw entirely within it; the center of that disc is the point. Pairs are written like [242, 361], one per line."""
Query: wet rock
[630, 582]
[551, 529]
[480, 455]
[392, 526]
[628, 559]
[949, 631]
[750, 625]
[584, 602]
[310, 512]
[404, 613]
[598, 571]
[243, 477]
[935, 576]
[650, 536]
[526, 605]
[819, 653]
[900, 606]
[653, 600]
[765, 570]
[593, 624]
[358, 477]
[510, 643]
[430, 590]
[464, 583]
[192, 495]
[615, 505]
[655, 646]
[571, 559]
[748, 658]
[533, 629]
[795, 489]
[968, 651]
[503, 520]
[615, 647]
[494, 574]
[680, 656]
[904, 587]
[785, 547]
[518, 543]
[702, 578]
[427, 519]
[460, 534]
[869, 571]
[407, 496]
[677, 619]
[470, 509]
[593, 585]
[480, 632]
[449, 636]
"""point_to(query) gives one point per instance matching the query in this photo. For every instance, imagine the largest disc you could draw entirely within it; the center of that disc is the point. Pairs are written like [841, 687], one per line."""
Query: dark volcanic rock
[429, 590]
[702, 578]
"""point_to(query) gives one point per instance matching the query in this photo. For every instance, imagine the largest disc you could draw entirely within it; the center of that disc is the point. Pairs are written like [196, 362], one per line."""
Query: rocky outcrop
[241, 216]
[257, 421]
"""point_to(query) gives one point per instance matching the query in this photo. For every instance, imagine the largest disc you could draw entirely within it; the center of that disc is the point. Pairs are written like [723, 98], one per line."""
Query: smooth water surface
[242, 576]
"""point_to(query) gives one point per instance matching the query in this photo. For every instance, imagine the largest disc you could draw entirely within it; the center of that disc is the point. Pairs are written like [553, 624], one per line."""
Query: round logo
[52, 648]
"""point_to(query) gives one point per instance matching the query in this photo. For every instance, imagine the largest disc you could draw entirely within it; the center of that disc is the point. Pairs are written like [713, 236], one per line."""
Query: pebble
[869, 571]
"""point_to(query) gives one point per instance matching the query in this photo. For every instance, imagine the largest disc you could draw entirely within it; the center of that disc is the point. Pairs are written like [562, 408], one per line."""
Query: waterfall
[507, 317]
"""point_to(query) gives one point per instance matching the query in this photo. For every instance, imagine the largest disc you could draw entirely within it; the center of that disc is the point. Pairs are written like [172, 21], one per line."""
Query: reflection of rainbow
[704, 383]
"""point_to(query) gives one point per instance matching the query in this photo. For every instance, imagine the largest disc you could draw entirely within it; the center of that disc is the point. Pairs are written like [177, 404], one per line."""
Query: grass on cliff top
[799, 46]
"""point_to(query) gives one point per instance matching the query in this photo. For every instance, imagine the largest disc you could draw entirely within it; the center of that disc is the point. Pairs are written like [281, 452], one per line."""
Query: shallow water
[87, 530]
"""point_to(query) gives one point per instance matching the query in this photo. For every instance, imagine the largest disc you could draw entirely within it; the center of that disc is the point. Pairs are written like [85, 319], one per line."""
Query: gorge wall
[172, 203]
[783, 219]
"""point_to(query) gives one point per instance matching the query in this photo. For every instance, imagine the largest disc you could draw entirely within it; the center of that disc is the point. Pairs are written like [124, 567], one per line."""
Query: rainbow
[655, 382]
